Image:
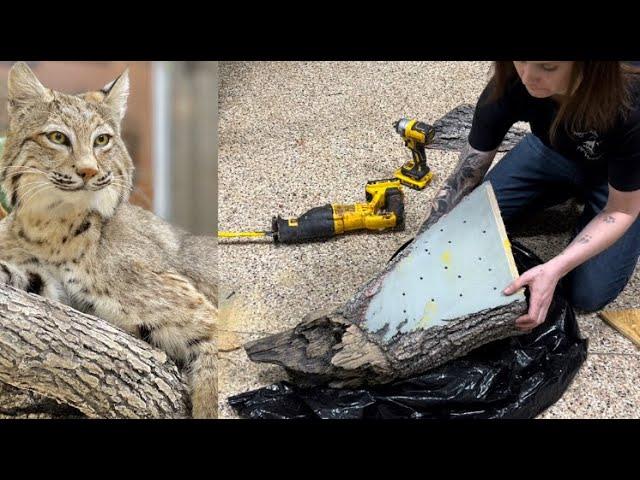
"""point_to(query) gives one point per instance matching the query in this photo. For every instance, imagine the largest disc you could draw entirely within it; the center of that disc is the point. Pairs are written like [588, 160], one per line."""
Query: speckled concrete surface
[297, 135]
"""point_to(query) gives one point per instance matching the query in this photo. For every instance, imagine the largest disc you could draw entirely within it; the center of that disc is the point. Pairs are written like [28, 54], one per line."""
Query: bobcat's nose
[86, 173]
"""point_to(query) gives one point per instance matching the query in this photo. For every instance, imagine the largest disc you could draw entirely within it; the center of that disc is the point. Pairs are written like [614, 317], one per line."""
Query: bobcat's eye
[58, 137]
[101, 140]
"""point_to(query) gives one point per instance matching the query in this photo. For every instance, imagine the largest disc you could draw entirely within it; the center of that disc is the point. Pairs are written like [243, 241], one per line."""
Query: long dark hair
[601, 91]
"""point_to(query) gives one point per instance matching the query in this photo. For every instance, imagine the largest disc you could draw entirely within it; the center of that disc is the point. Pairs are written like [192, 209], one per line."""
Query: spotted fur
[72, 235]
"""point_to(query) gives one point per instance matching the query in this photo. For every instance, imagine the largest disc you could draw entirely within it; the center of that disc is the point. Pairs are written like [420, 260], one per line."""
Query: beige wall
[194, 145]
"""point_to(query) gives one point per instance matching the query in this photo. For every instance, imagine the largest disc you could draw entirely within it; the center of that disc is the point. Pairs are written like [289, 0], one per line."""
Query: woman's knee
[590, 297]
[589, 302]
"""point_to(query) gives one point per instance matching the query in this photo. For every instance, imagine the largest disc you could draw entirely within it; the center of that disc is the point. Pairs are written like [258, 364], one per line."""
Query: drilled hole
[445, 267]
[420, 278]
[489, 269]
[459, 276]
[403, 294]
[460, 294]
[484, 231]
[432, 300]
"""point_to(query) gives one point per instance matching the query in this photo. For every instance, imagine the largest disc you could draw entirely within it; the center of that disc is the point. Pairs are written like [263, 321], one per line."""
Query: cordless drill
[384, 210]
[416, 135]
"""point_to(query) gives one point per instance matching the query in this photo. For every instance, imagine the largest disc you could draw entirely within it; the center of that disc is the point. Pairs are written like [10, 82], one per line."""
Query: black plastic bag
[517, 377]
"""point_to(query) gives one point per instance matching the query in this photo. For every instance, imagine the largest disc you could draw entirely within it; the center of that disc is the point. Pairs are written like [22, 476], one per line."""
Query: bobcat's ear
[116, 94]
[25, 88]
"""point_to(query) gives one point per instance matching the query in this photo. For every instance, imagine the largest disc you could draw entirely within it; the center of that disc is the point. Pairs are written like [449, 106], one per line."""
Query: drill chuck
[401, 125]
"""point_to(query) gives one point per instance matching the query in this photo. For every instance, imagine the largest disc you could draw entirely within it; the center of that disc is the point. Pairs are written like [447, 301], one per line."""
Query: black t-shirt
[612, 156]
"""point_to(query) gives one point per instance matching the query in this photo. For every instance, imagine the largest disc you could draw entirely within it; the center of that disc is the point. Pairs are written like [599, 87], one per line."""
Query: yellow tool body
[415, 173]
[383, 210]
[371, 215]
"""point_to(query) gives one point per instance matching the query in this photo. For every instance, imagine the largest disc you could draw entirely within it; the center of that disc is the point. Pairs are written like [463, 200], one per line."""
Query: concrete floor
[297, 135]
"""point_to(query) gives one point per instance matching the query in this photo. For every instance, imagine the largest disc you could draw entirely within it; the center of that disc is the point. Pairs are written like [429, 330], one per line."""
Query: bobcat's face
[63, 150]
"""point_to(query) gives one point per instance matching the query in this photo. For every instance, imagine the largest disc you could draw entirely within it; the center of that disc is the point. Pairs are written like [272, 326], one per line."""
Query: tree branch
[58, 362]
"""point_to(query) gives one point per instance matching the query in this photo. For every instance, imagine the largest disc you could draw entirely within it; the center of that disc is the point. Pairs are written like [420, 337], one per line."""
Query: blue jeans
[532, 177]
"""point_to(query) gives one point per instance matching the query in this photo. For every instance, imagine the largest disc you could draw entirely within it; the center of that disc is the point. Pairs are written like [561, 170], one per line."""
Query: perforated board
[457, 267]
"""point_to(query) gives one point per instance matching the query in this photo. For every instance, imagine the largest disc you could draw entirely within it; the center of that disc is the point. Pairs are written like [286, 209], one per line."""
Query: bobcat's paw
[10, 275]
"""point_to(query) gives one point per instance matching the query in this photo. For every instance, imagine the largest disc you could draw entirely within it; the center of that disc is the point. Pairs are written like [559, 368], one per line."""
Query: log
[452, 131]
[56, 362]
[341, 349]
[331, 350]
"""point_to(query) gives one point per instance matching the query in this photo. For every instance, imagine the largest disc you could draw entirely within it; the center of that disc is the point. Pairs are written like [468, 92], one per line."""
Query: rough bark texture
[452, 131]
[331, 349]
[56, 362]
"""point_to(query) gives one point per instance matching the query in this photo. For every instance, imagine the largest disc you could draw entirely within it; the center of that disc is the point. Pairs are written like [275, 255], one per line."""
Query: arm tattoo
[468, 174]
[608, 219]
[586, 238]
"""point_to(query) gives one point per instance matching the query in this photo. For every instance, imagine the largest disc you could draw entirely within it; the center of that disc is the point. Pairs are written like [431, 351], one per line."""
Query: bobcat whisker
[35, 193]
[27, 186]
[22, 171]
[39, 186]
[124, 186]
[22, 166]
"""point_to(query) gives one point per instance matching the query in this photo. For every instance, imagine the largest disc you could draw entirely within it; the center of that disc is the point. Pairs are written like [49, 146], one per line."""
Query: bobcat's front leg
[29, 279]
[166, 310]
[17, 277]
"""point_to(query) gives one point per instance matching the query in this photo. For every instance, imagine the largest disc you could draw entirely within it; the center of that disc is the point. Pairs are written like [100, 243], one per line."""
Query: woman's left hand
[542, 281]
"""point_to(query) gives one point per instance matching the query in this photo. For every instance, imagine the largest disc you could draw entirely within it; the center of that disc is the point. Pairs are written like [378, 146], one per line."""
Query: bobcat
[73, 237]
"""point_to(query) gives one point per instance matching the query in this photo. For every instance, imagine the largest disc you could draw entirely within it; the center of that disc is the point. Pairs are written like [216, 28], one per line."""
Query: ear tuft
[116, 94]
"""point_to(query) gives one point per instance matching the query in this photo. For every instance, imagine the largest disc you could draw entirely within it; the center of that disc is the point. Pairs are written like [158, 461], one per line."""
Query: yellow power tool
[416, 135]
[384, 210]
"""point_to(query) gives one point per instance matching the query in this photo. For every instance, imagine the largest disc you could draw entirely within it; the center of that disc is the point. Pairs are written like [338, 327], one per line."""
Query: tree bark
[56, 362]
[452, 131]
[334, 349]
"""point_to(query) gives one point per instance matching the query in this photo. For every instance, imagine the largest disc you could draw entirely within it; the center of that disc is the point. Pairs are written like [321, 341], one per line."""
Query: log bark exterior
[334, 349]
[56, 362]
[452, 131]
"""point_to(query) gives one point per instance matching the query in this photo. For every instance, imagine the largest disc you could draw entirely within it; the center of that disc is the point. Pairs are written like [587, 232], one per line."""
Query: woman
[585, 142]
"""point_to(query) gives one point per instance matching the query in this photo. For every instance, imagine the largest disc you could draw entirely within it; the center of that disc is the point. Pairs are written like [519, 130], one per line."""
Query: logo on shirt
[588, 144]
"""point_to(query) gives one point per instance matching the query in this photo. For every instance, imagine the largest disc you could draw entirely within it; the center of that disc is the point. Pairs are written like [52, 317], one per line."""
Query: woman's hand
[542, 281]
